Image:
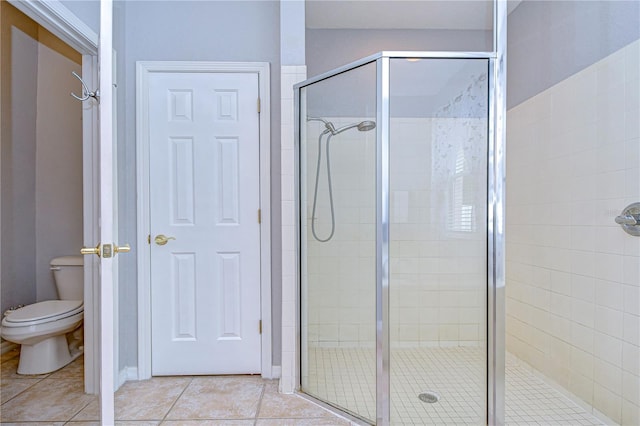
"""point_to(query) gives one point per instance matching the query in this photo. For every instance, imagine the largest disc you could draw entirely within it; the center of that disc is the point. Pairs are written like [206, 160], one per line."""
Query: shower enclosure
[400, 206]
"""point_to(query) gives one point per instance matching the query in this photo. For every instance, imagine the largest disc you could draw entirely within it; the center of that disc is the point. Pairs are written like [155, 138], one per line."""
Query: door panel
[438, 237]
[204, 198]
[338, 247]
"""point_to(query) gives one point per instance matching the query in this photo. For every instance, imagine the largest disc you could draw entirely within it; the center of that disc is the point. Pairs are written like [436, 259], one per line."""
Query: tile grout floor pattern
[346, 376]
[58, 399]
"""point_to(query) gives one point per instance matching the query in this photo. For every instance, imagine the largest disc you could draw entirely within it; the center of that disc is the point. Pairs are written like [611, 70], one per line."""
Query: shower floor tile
[347, 377]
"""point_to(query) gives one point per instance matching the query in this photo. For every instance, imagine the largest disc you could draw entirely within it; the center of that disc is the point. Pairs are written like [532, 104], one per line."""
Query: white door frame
[61, 22]
[143, 70]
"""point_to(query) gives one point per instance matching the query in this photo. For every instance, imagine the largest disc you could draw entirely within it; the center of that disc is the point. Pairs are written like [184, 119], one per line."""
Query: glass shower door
[438, 154]
[338, 240]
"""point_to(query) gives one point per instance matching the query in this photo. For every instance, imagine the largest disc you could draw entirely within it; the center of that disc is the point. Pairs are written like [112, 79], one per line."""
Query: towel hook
[86, 94]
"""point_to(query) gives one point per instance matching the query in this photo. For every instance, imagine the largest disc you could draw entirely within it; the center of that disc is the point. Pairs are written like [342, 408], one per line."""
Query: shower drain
[429, 397]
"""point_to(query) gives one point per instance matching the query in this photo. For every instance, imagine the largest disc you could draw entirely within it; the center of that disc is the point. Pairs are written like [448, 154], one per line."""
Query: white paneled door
[204, 168]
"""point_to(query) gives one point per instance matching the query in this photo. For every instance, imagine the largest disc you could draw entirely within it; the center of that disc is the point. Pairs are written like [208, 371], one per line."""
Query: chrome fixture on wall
[629, 219]
[86, 93]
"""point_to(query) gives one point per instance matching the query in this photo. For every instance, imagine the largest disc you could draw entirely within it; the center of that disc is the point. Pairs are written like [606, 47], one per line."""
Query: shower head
[365, 126]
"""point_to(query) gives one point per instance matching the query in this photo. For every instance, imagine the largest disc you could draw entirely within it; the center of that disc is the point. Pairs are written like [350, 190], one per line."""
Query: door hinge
[258, 105]
[260, 326]
[259, 215]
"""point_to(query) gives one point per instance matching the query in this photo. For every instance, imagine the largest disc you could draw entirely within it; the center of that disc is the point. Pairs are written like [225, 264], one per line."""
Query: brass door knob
[122, 249]
[162, 239]
[91, 250]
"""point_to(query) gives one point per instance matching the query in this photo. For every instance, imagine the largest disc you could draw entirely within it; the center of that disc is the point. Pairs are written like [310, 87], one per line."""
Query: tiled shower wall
[573, 275]
[437, 232]
[289, 75]
[437, 273]
[340, 274]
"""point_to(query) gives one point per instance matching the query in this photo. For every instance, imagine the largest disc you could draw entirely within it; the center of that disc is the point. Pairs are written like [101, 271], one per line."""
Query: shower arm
[330, 127]
[327, 124]
[344, 128]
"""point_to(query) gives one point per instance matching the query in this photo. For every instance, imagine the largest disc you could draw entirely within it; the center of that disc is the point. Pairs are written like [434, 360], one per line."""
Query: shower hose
[315, 191]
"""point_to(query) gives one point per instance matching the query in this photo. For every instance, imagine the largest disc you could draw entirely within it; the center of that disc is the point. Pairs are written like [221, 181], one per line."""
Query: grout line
[24, 390]
[176, 401]
[78, 412]
[264, 389]
[48, 376]
[39, 379]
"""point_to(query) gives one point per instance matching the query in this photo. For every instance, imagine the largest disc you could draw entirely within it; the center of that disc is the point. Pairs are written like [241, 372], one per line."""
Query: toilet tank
[68, 274]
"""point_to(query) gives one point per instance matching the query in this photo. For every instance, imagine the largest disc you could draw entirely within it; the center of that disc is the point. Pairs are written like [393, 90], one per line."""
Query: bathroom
[42, 155]
[555, 51]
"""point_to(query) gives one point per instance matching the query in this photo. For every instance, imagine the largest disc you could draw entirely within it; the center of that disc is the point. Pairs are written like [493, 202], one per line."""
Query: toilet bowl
[50, 332]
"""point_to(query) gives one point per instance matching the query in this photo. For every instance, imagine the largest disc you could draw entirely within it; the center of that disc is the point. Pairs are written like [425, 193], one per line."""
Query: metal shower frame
[495, 214]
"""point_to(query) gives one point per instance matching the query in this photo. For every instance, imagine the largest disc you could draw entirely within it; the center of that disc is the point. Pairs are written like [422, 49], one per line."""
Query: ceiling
[402, 14]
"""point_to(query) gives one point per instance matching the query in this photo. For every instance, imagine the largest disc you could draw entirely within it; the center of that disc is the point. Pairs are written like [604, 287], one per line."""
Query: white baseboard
[126, 374]
[272, 373]
[6, 347]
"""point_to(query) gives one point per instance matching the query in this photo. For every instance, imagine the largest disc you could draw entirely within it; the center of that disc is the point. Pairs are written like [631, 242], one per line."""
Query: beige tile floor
[58, 399]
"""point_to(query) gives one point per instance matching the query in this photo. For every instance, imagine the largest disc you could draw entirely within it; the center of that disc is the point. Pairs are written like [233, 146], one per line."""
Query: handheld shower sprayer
[363, 126]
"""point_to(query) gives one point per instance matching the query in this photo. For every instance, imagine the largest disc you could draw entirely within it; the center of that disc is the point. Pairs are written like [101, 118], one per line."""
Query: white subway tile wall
[340, 278]
[438, 278]
[573, 275]
[438, 228]
[289, 75]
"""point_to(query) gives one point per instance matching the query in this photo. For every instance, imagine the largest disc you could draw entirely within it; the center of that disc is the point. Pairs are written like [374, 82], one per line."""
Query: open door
[107, 248]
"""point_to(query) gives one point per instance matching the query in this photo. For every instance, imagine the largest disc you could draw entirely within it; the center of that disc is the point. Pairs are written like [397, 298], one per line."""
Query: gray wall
[87, 10]
[18, 176]
[292, 32]
[549, 41]
[191, 31]
[329, 49]
[58, 167]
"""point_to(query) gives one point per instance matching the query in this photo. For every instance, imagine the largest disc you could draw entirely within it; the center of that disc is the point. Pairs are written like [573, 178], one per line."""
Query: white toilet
[50, 332]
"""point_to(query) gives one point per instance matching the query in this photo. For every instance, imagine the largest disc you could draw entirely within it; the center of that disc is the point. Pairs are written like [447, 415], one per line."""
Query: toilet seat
[43, 312]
